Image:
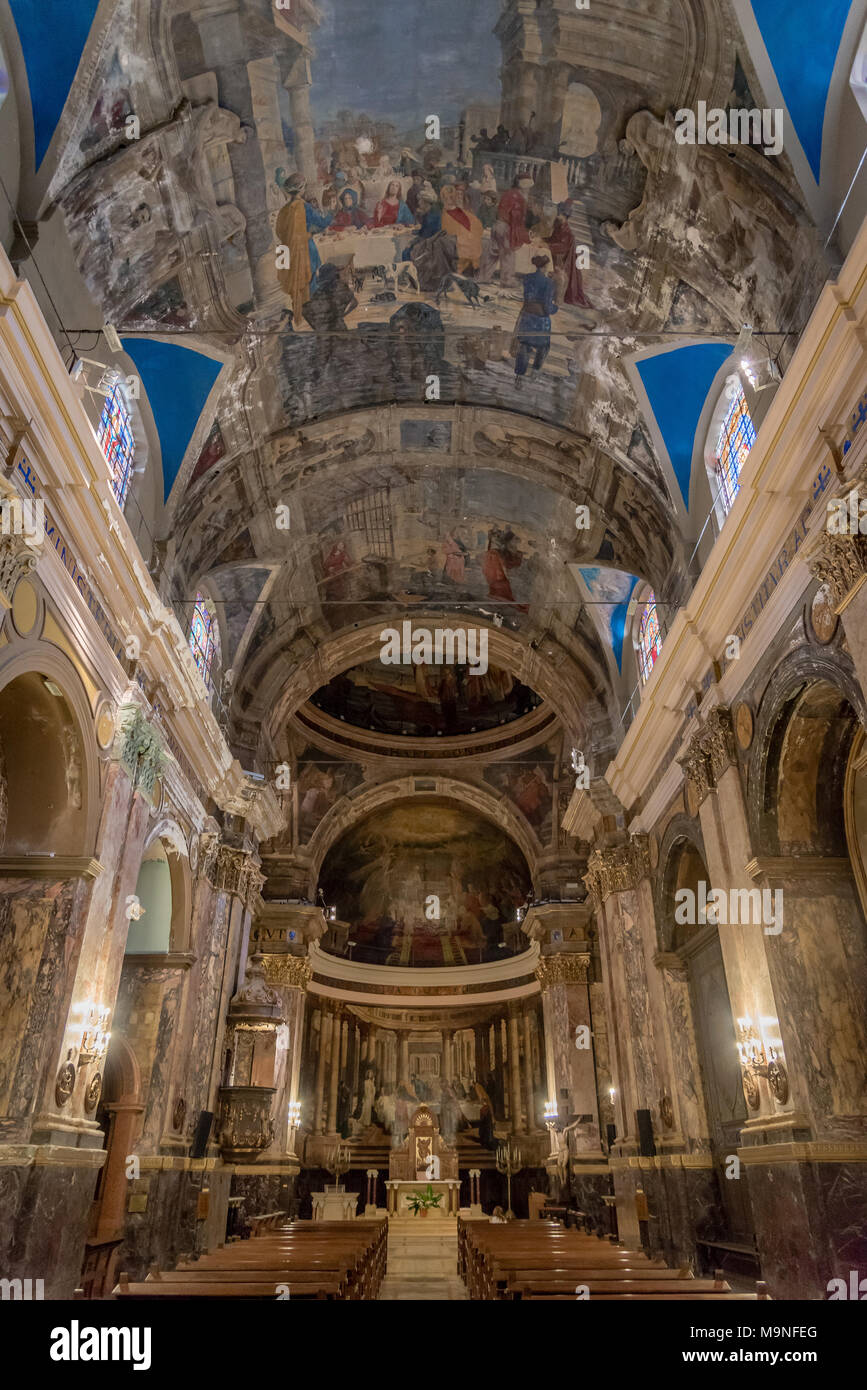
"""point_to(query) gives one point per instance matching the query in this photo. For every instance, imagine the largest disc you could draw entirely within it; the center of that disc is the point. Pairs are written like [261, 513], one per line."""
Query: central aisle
[422, 1259]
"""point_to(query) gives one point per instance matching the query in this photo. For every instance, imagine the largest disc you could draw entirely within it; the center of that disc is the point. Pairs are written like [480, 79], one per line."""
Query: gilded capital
[563, 969]
[696, 769]
[232, 870]
[718, 741]
[619, 869]
[292, 972]
[840, 562]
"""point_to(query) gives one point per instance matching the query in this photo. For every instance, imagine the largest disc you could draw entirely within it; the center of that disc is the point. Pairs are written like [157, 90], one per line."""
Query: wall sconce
[332, 914]
[95, 1038]
[551, 1113]
[519, 914]
[755, 1062]
[294, 1114]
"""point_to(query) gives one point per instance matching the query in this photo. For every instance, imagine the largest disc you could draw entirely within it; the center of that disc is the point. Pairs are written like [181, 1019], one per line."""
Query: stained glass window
[649, 640]
[736, 437]
[202, 638]
[118, 445]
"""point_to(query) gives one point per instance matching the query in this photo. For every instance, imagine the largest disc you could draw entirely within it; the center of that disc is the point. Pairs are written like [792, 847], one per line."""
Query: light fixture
[294, 1114]
[755, 1061]
[551, 1113]
[95, 1038]
[332, 914]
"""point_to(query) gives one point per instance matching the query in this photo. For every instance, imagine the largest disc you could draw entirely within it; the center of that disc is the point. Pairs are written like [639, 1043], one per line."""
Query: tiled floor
[421, 1264]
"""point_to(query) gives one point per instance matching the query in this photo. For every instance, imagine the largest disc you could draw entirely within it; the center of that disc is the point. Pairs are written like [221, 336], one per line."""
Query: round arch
[346, 813]
[50, 724]
[681, 865]
[170, 835]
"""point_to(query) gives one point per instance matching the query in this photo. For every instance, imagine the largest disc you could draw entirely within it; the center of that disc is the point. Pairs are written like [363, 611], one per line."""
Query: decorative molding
[17, 559]
[718, 742]
[696, 771]
[671, 962]
[566, 968]
[285, 971]
[49, 866]
[619, 869]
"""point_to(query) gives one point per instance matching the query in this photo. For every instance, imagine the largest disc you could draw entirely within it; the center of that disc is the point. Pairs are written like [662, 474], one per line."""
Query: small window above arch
[731, 436]
[203, 636]
[116, 440]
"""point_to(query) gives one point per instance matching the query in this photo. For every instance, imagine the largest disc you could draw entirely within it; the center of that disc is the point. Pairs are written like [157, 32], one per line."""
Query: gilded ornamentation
[666, 1111]
[17, 559]
[285, 970]
[718, 742]
[696, 771]
[619, 869]
[840, 562]
[231, 870]
[244, 1127]
[65, 1083]
[139, 748]
[563, 969]
[91, 1096]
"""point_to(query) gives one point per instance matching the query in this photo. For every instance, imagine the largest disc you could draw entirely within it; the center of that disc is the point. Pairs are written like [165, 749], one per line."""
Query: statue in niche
[369, 1097]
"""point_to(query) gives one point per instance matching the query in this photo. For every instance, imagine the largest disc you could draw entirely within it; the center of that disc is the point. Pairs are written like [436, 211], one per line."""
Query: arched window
[736, 437]
[203, 638]
[649, 640]
[116, 440]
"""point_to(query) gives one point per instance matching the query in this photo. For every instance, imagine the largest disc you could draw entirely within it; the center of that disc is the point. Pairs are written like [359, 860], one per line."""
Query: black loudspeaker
[611, 1131]
[202, 1134]
[644, 1125]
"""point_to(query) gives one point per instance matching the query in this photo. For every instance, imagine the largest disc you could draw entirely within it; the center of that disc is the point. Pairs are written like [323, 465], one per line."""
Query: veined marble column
[324, 1046]
[515, 1068]
[334, 1075]
[529, 1088]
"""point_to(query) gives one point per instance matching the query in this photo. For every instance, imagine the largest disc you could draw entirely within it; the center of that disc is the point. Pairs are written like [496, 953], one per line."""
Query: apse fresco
[427, 884]
[424, 700]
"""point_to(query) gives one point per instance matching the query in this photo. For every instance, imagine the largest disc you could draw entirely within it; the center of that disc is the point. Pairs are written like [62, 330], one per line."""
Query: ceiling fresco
[408, 288]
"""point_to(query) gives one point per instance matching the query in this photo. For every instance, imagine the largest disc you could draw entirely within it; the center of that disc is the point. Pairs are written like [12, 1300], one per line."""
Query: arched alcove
[45, 781]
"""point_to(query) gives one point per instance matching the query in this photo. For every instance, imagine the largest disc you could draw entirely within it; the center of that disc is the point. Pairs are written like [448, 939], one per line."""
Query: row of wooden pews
[303, 1259]
[543, 1260]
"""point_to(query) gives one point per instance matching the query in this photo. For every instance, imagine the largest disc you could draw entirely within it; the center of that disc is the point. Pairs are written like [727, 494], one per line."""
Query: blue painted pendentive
[52, 35]
[618, 625]
[178, 381]
[802, 39]
[677, 384]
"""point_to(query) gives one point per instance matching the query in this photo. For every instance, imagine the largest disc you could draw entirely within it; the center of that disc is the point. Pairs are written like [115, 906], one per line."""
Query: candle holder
[756, 1062]
[509, 1160]
[337, 1161]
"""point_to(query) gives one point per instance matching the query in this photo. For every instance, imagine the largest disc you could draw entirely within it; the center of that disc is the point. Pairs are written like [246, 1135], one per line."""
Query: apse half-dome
[431, 884]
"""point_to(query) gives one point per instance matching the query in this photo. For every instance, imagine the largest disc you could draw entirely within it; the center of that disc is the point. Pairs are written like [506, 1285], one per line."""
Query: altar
[423, 1158]
[400, 1190]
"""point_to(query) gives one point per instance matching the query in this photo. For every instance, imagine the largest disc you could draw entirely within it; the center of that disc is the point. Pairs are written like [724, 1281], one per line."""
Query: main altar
[423, 1158]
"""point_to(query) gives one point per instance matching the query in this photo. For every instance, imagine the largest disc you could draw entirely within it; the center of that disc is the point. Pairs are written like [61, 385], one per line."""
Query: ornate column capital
[618, 869]
[718, 741]
[565, 968]
[231, 870]
[696, 770]
[17, 559]
[292, 972]
[839, 562]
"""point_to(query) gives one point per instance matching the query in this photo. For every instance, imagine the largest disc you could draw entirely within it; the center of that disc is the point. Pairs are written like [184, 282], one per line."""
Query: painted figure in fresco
[567, 276]
[368, 1101]
[456, 554]
[463, 225]
[414, 192]
[296, 222]
[533, 330]
[391, 210]
[327, 307]
[501, 556]
[335, 565]
[434, 251]
[508, 233]
[349, 214]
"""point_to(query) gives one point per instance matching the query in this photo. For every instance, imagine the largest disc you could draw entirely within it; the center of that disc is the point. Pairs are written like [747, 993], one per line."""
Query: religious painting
[528, 781]
[425, 700]
[322, 780]
[427, 884]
